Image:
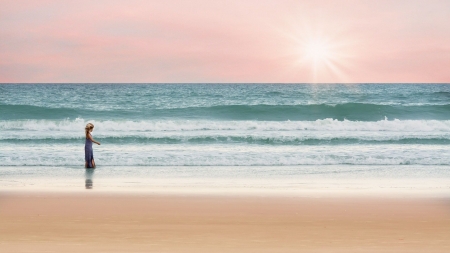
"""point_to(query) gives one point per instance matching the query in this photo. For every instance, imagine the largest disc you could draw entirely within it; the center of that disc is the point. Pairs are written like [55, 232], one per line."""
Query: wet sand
[113, 222]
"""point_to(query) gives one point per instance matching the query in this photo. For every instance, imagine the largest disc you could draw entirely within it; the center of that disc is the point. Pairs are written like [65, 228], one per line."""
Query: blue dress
[88, 153]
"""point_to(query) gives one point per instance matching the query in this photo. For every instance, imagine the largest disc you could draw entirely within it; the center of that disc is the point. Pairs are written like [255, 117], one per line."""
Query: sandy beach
[114, 222]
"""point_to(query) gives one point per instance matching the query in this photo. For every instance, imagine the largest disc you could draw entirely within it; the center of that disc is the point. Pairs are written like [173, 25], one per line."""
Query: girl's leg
[85, 164]
[93, 163]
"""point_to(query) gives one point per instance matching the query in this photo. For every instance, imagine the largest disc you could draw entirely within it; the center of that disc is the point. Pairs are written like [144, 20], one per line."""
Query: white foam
[195, 125]
[325, 129]
[227, 151]
[225, 155]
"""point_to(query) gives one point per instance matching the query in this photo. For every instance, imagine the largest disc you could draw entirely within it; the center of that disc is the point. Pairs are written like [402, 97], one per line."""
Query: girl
[88, 151]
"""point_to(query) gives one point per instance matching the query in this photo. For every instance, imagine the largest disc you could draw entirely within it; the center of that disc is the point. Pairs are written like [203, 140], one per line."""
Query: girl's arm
[94, 141]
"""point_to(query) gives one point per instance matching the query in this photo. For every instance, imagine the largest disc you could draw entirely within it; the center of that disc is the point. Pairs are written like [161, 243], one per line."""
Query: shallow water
[310, 181]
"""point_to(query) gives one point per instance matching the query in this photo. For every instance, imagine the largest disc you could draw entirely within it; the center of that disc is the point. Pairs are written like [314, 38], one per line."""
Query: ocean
[395, 130]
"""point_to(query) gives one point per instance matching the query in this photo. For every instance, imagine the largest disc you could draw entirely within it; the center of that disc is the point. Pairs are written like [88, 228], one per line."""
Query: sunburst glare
[323, 56]
[320, 53]
[317, 50]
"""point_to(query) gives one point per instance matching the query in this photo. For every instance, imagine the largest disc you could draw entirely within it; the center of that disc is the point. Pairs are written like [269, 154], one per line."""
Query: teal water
[261, 102]
[226, 124]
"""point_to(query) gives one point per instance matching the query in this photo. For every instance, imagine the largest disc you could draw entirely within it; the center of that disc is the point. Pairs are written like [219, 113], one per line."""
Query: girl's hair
[88, 128]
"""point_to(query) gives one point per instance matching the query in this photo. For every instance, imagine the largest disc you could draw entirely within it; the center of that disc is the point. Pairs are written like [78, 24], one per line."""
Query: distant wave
[445, 93]
[11, 112]
[15, 112]
[349, 111]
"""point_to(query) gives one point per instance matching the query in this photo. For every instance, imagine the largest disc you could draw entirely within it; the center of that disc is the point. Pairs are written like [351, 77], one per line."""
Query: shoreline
[336, 181]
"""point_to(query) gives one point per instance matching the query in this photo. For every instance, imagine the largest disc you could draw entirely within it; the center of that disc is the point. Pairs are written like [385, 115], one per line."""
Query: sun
[318, 51]
[323, 56]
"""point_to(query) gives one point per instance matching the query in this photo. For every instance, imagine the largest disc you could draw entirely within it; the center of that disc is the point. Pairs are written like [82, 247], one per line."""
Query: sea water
[240, 130]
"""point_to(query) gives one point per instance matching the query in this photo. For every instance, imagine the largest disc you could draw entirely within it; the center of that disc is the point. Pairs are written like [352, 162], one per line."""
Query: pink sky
[224, 41]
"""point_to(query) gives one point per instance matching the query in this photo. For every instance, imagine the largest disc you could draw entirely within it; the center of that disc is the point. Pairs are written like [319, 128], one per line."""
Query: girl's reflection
[89, 174]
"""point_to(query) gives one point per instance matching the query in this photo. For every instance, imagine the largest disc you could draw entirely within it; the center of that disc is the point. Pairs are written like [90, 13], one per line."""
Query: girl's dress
[88, 152]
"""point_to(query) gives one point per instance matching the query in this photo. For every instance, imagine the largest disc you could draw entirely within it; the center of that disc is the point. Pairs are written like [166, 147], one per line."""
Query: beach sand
[114, 222]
